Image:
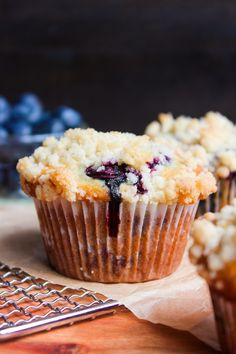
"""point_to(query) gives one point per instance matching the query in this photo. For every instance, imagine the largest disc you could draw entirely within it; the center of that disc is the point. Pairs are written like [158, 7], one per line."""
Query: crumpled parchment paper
[181, 301]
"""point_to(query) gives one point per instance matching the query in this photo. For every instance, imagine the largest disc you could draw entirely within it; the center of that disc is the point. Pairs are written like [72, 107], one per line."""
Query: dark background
[121, 61]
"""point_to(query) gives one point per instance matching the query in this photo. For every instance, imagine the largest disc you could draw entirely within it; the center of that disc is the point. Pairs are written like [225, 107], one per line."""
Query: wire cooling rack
[29, 304]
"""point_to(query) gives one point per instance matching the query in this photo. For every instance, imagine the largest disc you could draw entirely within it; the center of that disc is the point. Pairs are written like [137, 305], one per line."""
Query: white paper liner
[149, 245]
[180, 300]
[225, 315]
[226, 192]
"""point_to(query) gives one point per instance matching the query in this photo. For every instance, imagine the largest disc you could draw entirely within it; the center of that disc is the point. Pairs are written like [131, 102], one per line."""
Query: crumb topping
[86, 164]
[214, 244]
[213, 133]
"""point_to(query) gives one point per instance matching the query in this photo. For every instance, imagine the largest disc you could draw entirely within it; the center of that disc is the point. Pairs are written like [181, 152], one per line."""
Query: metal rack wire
[29, 304]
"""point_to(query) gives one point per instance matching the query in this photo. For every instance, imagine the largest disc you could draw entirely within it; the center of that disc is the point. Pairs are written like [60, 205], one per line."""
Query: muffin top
[86, 164]
[214, 133]
[214, 248]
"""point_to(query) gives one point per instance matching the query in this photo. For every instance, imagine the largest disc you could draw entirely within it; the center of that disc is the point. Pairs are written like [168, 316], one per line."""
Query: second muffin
[214, 253]
[211, 139]
[113, 207]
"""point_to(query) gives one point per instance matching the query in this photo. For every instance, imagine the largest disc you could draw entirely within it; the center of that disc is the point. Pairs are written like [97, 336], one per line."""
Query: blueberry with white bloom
[31, 100]
[28, 107]
[69, 116]
[19, 127]
[50, 125]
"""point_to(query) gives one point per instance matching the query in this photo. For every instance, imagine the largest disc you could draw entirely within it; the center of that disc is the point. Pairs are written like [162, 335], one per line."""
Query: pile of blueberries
[27, 116]
[23, 126]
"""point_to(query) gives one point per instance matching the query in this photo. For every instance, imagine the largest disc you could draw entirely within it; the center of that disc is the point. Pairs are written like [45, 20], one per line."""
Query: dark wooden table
[121, 62]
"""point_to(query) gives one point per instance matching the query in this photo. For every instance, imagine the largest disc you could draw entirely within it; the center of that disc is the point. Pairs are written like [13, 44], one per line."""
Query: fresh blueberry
[50, 125]
[30, 114]
[70, 117]
[29, 107]
[55, 126]
[31, 100]
[34, 115]
[3, 134]
[5, 110]
[19, 127]
[20, 111]
[42, 125]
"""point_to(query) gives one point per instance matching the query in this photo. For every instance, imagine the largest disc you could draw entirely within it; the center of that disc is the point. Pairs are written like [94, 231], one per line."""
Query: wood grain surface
[118, 333]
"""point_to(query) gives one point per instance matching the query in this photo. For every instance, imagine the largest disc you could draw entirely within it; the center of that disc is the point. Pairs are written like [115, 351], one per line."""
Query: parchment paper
[181, 301]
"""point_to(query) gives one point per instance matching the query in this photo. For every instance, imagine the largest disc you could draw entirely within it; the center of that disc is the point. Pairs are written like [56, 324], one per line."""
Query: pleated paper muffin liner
[225, 316]
[149, 244]
[226, 192]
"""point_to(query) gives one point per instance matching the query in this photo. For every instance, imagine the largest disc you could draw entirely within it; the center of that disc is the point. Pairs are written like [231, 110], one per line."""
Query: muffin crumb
[214, 245]
[215, 133]
[86, 164]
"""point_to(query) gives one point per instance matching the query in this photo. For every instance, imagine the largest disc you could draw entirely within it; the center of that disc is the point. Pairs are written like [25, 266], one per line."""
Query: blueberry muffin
[113, 207]
[214, 253]
[212, 139]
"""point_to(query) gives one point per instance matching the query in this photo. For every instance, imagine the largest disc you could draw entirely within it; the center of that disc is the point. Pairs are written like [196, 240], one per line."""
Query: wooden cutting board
[118, 333]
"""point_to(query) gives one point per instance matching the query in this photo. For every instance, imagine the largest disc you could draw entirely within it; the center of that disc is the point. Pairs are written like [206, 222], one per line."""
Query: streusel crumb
[214, 247]
[214, 133]
[86, 164]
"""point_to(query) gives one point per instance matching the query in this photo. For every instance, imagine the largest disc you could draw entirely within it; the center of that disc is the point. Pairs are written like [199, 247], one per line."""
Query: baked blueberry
[158, 161]
[114, 174]
[136, 179]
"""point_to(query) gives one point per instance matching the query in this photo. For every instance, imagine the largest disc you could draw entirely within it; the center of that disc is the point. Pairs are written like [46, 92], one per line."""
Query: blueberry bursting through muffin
[114, 175]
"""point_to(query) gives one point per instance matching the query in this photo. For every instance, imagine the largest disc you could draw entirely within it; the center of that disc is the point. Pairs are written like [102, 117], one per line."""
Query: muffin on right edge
[211, 139]
[214, 253]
